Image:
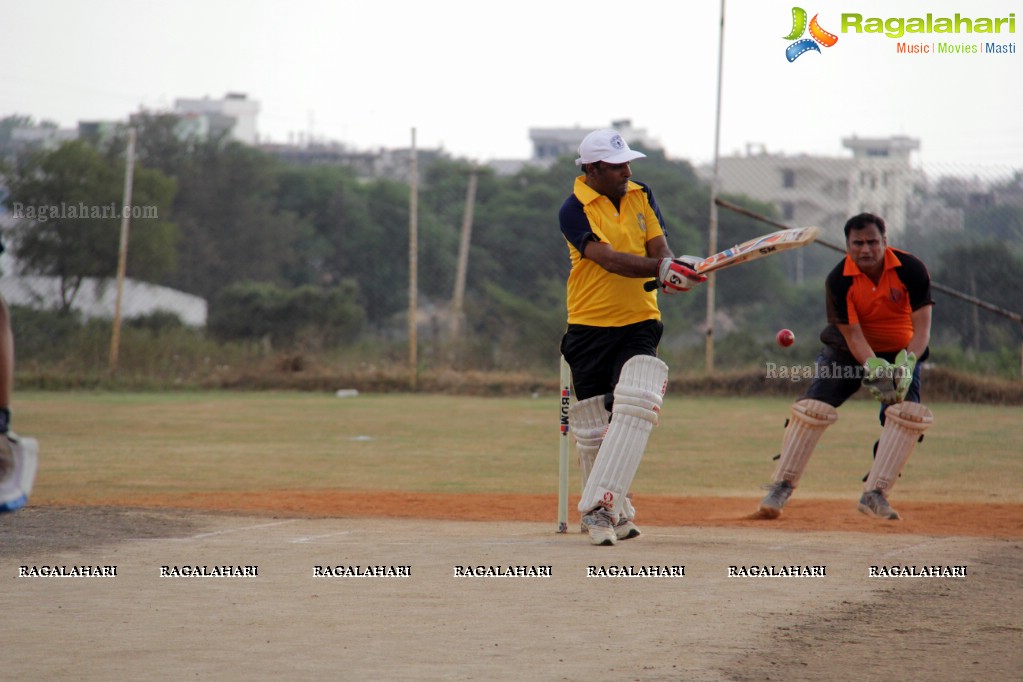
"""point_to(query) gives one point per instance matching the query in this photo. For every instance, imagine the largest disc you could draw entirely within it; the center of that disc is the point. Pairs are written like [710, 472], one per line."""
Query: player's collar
[587, 194]
[891, 261]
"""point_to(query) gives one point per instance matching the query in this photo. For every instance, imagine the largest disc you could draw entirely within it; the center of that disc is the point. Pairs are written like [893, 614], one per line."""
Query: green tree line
[316, 254]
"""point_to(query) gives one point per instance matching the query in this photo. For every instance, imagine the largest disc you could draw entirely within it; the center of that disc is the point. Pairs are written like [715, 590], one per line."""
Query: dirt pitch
[285, 623]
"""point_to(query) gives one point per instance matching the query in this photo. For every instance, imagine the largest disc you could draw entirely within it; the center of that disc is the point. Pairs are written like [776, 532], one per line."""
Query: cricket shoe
[770, 506]
[601, 527]
[18, 462]
[876, 504]
[626, 529]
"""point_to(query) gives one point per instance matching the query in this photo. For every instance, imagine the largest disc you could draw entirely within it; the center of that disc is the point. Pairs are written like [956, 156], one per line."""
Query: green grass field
[98, 446]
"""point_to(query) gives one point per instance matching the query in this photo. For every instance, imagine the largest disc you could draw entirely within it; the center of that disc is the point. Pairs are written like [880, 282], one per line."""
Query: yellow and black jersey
[597, 297]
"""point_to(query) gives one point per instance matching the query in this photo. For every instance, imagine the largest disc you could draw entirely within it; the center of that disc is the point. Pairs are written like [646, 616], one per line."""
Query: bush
[156, 322]
[312, 316]
[43, 335]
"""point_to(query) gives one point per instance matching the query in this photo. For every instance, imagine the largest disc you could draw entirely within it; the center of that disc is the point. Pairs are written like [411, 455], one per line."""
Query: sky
[474, 77]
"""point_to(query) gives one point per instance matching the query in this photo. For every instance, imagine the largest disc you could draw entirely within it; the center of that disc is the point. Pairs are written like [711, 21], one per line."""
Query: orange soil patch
[921, 518]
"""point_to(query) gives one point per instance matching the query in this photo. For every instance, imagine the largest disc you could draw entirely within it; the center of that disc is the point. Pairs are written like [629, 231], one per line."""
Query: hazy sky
[473, 77]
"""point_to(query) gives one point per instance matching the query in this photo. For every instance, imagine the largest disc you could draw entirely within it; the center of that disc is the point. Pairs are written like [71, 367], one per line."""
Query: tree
[7, 126]
[230, 225]
[68, 205]
[164, 143]
[330, 207]
[1002, 223]
[986, 271]
[315, 316]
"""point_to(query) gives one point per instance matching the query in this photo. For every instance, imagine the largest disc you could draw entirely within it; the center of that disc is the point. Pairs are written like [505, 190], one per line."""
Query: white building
[97, 298]
[826, 191]
[235, 113]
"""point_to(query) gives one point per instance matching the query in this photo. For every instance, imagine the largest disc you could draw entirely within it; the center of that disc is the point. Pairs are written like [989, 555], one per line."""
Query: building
[825, 191]
[37, 137]
[235, 114]
[97, 298]
[392, 164]
[550, 144]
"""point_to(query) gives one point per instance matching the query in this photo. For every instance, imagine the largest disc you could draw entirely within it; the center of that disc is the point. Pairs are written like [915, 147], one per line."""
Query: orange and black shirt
[883, 311]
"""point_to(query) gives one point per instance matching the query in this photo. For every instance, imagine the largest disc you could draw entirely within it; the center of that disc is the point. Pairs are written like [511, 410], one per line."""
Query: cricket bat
[758, 247]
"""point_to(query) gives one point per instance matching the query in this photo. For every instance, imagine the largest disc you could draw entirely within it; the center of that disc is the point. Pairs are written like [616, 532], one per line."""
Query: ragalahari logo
[817, 35]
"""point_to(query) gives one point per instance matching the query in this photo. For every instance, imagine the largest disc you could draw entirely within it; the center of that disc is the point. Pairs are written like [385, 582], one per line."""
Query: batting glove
[880, 380]
[675, 275]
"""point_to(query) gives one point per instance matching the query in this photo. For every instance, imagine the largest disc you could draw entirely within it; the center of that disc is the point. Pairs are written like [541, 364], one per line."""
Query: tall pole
[458, 298]
[122, 251]
[712, 242]
[413, 265]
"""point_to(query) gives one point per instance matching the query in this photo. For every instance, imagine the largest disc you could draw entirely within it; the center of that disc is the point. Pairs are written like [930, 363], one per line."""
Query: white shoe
[626, 529]
[18, 463]
[601, 527]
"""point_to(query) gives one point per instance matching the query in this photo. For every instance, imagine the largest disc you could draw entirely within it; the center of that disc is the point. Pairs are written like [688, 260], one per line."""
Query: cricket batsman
[879, 325]
[616, 242]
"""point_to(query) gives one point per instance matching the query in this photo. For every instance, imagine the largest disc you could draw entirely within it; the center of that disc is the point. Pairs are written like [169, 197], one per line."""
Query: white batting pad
[626, 509]
[638, 398]
[588, 421]
[15, 490]
[809, 419]
[903, 425]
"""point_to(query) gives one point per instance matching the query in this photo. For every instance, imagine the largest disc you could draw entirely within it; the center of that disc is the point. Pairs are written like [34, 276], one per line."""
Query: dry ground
[287, 624]
[290, 482]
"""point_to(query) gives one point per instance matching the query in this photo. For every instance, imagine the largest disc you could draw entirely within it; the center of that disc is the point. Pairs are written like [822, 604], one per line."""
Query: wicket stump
[566, 399]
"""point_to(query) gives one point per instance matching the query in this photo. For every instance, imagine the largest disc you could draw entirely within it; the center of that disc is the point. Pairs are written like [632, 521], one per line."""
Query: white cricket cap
[605, 145]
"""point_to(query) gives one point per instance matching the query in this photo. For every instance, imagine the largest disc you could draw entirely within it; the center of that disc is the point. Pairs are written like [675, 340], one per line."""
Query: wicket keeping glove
[675, 275]
[905, 363]
[879, 379]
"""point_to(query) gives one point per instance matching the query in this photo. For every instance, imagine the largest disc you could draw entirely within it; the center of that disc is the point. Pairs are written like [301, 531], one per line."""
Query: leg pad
[809, 419]
[904, 423]
[638, 398]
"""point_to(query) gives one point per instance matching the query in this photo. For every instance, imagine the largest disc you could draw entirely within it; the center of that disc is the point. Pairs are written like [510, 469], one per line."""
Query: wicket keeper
[879, 325]
[616, 242]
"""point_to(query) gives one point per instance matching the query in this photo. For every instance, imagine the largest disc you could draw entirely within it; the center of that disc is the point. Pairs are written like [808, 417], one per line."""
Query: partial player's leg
[805, 428]
[18, 463]
[641, 339]
[904, 425]
[588, 421]
[836, 379]
[17, 456]
[637, 401]
[626, 528]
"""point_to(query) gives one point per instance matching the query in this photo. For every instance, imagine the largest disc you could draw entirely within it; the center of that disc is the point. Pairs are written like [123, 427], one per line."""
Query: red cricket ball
[785, 338]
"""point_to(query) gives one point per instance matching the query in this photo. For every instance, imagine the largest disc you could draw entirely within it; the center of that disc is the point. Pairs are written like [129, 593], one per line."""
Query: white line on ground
[236, 530]
[314, 538]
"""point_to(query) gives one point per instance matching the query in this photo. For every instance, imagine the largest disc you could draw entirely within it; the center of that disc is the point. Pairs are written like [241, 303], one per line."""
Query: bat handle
[650, 285]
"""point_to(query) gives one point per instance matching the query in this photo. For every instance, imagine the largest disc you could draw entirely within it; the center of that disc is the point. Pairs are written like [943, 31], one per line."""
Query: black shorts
[838, 376]
[597, 354]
